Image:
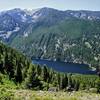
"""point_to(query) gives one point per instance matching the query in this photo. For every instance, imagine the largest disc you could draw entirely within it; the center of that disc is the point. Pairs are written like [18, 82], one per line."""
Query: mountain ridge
[21, 17]
[71, 36]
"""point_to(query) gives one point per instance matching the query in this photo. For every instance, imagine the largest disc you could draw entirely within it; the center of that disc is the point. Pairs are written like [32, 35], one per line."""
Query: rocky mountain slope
[71, 36]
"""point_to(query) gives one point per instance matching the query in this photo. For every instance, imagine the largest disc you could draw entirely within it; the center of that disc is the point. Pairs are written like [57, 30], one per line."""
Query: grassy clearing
[46, 95]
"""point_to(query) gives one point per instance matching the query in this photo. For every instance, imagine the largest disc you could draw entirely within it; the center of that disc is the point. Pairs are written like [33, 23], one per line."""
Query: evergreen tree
[98, 85]
[45, 73]
[38, 69]
[70, 80]
[64, 81]
[18, 74]
[77, 85]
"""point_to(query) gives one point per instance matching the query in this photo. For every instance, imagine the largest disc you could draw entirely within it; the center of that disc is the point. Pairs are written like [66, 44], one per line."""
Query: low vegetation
[45, 95]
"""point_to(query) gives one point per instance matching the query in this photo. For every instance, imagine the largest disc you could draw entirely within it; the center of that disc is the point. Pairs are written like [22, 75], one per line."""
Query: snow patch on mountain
[7, 34]
[23, 17]
[25, 34]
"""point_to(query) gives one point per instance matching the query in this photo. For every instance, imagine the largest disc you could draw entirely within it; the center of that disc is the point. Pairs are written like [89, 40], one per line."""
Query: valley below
[69, 40]
[47, 33]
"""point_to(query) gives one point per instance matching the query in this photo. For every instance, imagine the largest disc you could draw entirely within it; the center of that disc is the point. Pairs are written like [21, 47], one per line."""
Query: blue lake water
[65, 67]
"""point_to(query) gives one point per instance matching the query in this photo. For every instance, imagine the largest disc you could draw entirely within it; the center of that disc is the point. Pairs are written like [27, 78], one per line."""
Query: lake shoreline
[61, 66]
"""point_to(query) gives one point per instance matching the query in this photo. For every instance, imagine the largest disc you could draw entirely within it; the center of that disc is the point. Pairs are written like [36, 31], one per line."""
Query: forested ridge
[16, 68]
[71, 40]
[46, 33]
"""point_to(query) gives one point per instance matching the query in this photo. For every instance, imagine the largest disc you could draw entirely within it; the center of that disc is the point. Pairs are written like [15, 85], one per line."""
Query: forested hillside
[17, 69]
[72, 40]
[71, 36]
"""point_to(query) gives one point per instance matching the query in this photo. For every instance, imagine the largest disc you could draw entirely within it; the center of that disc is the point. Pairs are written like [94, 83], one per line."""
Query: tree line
[20, 70]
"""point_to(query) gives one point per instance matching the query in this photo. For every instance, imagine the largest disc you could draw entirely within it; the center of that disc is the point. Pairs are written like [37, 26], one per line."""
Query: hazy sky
[59, 4]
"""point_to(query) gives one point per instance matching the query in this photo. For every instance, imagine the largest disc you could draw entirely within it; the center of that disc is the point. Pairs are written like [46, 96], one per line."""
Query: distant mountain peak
[17, 9]
[48, 9]
[18, 18]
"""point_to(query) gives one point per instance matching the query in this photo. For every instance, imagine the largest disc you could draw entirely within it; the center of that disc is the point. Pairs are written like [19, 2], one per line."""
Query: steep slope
[17, 72]
[12, 63]
[71, 40]
[15, 21]
[71, 36]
